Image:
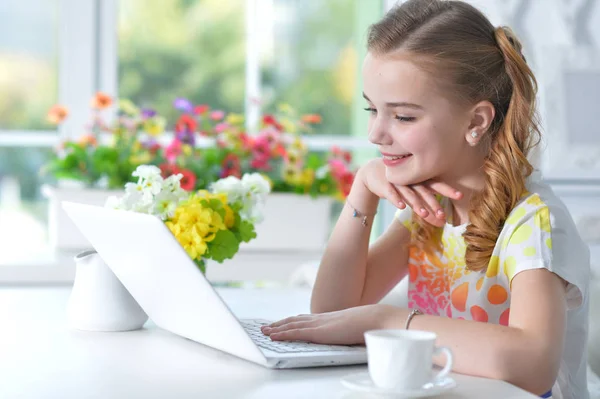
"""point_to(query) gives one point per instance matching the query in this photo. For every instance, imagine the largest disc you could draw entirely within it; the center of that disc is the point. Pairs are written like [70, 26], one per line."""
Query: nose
[378, 133]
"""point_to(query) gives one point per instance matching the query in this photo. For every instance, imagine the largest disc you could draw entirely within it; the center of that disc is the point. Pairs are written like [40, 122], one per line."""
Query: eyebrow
[397, 104]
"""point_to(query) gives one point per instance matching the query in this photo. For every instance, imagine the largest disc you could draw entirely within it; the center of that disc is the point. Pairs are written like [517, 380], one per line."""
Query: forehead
[389, 79]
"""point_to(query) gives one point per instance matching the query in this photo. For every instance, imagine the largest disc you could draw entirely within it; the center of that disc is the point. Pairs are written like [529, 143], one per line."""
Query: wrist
[362, 198]
[392, 317]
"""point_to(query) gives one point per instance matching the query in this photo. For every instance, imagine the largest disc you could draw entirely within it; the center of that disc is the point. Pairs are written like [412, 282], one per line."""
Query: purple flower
[183, 104]
[148, 113]
[149, 143]
[186, 137]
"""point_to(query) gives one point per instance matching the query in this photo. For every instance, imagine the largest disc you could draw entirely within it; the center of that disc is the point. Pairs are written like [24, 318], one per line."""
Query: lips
[393, 157]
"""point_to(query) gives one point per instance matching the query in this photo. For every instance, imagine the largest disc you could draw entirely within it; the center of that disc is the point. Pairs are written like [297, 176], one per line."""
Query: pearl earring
[474, 134]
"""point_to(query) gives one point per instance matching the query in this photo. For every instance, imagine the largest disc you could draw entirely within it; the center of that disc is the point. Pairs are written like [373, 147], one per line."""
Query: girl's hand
[344, 327]
[420, 197]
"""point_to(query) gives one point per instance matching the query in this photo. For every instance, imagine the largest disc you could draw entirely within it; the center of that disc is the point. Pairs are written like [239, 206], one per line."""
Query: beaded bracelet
[356, 213]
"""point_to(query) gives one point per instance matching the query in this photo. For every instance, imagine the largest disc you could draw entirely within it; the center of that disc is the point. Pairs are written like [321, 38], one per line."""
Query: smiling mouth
[394, 157]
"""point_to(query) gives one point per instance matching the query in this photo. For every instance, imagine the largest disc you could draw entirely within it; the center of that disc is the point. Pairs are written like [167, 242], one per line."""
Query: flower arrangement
[94, 162]
[209, 224]
[277, 150]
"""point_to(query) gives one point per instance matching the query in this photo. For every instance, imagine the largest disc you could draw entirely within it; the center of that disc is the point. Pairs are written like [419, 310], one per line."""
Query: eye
[405, 118]
[371, 110]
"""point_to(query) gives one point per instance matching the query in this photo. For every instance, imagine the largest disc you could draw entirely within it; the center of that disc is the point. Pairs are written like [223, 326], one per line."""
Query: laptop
[146, 257]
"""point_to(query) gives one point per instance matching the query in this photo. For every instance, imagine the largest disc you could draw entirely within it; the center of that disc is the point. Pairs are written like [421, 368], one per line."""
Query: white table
[41, 358]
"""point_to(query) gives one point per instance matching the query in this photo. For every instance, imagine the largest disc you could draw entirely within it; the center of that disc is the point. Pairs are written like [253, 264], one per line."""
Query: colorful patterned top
[539, 233]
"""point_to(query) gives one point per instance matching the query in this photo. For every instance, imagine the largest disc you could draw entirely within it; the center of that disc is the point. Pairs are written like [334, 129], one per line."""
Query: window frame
[88, 62]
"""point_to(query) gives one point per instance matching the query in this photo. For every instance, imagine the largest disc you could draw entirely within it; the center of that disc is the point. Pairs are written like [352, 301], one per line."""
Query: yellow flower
[128, 107]
[288, 125]
[186, 149]
[141, 158]
[155, 126]
[285, 108]
[194, 225]
[299, 145]
[235, 119]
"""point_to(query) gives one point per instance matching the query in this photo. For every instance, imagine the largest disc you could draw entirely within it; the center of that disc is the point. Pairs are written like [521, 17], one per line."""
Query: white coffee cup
[403, 359]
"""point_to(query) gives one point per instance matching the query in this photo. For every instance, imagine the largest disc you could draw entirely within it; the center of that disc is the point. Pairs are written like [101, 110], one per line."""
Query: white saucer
[362, 382]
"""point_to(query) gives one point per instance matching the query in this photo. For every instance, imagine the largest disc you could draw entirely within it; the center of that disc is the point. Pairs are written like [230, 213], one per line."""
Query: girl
[496, 268]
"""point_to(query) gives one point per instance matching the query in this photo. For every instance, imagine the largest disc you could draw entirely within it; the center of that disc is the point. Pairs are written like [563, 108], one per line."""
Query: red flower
[188, 181]
[260, 162]
[186, 124]
[101, 101]
[173, 150]
[168, 169]
[345, 183]
[311, 118]
[57, 114]
[231, 166]
[201, 109]
[154, 148]
[269, 120]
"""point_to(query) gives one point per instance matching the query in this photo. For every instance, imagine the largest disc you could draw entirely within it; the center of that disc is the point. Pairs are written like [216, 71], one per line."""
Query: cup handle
[448, 367]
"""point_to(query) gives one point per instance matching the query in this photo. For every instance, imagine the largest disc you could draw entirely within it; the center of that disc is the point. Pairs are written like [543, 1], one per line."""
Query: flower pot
[293, 222]
[63, 234]
[99, 301]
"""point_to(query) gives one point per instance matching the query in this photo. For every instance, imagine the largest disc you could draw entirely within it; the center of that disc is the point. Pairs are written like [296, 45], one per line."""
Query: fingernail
[423, 211]
[401, 205]
[267, 329]
[440, 213]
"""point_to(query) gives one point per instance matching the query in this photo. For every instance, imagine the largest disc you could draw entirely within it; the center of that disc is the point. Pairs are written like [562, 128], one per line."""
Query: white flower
[231, 185]
[256, 183]
[151, 194]
[322, 172]
[113, 202]
[147, 172]
[165, 205]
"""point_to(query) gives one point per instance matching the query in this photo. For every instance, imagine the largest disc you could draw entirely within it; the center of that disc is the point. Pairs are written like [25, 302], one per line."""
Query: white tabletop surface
[40, 357]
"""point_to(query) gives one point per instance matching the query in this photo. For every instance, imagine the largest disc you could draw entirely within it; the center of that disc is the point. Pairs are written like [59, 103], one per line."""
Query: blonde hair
[455, 41]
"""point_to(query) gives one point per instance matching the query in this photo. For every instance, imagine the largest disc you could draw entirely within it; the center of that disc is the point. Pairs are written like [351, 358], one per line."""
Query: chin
[405, 177]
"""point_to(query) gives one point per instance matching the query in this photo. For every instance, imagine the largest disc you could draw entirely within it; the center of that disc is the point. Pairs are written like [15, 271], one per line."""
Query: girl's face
[420, 133]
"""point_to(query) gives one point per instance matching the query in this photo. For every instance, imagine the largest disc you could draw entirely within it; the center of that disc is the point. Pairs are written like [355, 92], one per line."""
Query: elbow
[531, 369]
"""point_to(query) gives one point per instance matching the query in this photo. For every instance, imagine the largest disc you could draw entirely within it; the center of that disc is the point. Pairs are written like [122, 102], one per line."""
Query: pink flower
[221, 127]
[260, 162]
[338, 168]
[173, 150]
[217, 115]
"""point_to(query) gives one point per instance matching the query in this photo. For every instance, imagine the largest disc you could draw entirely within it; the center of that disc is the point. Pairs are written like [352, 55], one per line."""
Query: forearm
[488, 350]
[342, 272]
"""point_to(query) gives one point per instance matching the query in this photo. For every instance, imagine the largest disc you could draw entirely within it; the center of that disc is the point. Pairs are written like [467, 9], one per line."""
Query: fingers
[444, 189]
[289, 320]
[302, 334]
[289, 326]
[417, 205]
[394, 197]
[432, 203]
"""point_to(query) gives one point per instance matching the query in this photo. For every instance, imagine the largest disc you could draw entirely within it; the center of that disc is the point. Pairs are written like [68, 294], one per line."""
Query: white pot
[99, 301]
[63, 234]
[293, 223]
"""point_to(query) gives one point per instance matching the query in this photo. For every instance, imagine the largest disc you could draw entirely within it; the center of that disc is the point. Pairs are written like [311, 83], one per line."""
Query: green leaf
[201, 265]
[246, 231]
[224, 246]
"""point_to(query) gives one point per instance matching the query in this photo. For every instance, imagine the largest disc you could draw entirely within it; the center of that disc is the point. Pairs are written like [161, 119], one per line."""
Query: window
[29, 87]
[180, 48]
[236, 55]
[309, 59]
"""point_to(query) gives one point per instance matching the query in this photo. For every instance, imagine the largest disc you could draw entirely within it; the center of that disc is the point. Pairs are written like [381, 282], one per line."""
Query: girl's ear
[482, 116]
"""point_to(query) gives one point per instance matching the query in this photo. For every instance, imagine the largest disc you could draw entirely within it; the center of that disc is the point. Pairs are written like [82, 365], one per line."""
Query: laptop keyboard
[252, 327]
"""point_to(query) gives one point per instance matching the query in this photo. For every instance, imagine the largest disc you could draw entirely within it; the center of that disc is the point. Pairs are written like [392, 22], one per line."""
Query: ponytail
[506, 167]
